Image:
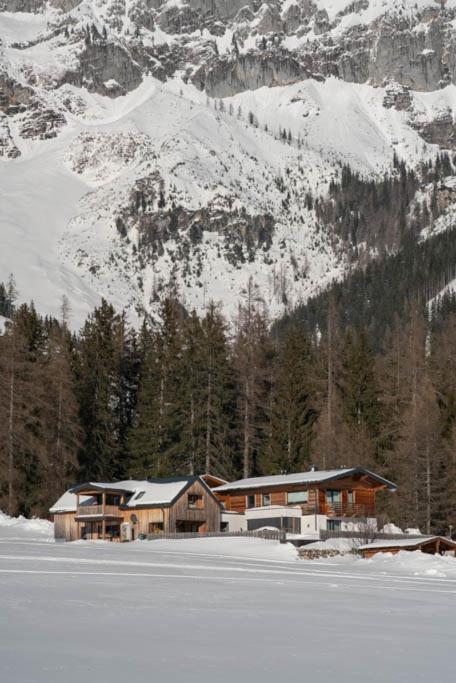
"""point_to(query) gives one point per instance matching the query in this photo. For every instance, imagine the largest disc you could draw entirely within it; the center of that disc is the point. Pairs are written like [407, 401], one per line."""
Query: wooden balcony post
[103, 503]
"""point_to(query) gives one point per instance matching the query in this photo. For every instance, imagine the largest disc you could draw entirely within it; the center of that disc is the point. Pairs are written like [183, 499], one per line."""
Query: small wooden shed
[434, 545]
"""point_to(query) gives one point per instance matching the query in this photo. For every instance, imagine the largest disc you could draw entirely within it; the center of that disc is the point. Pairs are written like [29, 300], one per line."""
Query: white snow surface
[219, 609]
[22, 525]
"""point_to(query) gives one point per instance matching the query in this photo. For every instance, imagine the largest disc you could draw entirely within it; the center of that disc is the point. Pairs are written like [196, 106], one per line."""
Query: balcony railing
[98, 510]
[339, 509]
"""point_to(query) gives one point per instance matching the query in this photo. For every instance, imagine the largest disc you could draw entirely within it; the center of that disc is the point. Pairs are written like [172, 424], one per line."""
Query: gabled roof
[160, 491]
[212, 480]
[408, 543]
[309, 477]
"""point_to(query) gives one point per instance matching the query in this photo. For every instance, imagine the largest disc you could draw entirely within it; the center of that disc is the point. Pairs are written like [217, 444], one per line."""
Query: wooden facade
[194, 509]
[356, 499]
[436, 545]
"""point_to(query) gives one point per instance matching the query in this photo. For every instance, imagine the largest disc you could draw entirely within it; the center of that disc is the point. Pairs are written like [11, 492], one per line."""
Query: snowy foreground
[217, 610]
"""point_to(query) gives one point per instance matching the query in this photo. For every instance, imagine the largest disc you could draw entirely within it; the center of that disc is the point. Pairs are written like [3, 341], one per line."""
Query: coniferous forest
[191, 394]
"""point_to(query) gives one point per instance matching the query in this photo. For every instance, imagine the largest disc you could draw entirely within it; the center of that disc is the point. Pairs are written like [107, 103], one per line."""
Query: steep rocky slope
[144, 142]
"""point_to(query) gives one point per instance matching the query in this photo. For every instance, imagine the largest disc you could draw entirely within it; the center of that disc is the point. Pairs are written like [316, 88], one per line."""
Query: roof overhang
[238, 486]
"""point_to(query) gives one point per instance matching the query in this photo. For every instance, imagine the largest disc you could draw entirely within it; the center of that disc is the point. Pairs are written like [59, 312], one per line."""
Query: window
[139, 495]
[112, 499]
[155, 527]
[350, 497]
[250, 501]
[266, 499]
[334, 525]
[194, 501]
[333, 496]
[113, 530]
[298, 497]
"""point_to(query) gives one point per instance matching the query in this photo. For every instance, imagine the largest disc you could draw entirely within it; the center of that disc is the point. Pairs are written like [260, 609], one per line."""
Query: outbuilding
[433, 545]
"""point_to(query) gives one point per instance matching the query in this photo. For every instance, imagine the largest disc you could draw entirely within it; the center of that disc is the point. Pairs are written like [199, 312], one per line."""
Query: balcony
[339, 509]
[98, 511]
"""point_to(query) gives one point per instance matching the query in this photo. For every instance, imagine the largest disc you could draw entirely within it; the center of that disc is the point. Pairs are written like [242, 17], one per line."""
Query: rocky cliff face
[202, 131]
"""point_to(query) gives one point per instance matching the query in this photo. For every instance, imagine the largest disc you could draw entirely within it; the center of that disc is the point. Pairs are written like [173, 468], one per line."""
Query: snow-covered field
[218, 610]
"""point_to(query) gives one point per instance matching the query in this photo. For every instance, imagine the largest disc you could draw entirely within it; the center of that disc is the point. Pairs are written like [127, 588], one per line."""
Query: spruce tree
[98, 377]
[292, 412]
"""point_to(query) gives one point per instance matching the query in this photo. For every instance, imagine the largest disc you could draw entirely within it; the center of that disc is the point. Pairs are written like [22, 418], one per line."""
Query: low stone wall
[316, 554]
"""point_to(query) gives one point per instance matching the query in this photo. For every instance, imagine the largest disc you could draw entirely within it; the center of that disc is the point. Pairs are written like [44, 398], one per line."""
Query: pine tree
[154, 438]
[207, 395]
[360, 398]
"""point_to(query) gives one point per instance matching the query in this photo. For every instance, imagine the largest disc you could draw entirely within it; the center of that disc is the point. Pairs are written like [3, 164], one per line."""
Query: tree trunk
[246, 458]
[11, 438]
[208, 417]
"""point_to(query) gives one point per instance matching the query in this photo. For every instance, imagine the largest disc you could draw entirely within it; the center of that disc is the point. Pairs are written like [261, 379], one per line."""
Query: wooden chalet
[129, 509]
[304, 501]
[433, 545]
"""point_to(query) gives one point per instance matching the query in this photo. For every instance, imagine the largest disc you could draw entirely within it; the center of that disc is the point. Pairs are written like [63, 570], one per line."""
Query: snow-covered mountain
[144, 142]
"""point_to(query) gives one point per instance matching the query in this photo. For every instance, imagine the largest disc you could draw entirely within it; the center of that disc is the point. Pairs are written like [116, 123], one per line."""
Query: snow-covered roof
[67, 502]
[145, 492]
[404, 542]
[309, 477]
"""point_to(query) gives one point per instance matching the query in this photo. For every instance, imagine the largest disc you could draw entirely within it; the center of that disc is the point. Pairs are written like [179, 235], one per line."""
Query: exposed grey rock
[157, 221]
[225, 77]
[411, 57]
[14, 97]
[397, 96]
[100, 63]
[223, 9]
[8, 148]
[321, 24]
[440, 131]
[269, 20]
[33, 6]
[179, 20]
[41, 123]
[65, 5]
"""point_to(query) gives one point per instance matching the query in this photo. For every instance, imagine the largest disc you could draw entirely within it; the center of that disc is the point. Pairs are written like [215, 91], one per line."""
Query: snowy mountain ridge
[144, 143]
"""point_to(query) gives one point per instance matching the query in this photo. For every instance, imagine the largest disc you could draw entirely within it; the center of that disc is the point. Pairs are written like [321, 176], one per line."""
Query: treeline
[369, 299]
[190, 393]
[377, 217]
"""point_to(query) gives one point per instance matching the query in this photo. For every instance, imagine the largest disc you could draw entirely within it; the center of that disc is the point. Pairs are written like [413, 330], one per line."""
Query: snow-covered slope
[143, 146]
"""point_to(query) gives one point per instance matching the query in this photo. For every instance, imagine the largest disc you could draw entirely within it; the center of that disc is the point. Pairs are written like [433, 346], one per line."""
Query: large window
[266, 499]
[250, 501]
[333, 496]
[297, 497]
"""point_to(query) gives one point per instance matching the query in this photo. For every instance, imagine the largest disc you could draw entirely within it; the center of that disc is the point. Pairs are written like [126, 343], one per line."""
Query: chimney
[313, 468]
